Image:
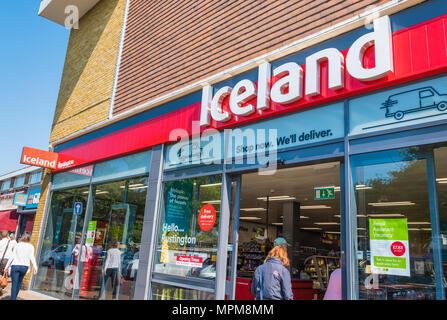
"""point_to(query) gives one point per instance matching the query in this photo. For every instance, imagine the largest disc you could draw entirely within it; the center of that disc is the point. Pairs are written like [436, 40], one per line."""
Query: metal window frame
[143, 288]
[412, 136]
[87, 217]
[179, 281]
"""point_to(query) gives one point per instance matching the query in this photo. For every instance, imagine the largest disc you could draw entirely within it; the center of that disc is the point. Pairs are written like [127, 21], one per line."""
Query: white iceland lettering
[381, 38]
[288, 87]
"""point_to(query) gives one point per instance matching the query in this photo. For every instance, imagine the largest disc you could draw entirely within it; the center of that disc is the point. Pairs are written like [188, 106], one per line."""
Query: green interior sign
[325, 193]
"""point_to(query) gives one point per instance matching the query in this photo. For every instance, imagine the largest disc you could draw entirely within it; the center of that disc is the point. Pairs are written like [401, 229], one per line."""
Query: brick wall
[169, 45]
[89, 70]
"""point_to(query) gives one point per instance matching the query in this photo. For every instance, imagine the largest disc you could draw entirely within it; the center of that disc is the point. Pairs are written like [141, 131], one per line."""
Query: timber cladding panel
[87, 80]
[171, 44]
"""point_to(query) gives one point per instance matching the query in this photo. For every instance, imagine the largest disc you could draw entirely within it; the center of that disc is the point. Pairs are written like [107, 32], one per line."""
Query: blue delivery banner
[292, 130]
[414, 104]
[33, 198]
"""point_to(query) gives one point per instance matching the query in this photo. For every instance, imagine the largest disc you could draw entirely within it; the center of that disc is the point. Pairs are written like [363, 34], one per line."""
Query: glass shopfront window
[72, 178]
[35, 178]
[75, 257]
[167, 292]
[189, 225]
[395, 254]
[6, 185]
[114, 230]
[440, 156]
[19, 181]
[58, 258]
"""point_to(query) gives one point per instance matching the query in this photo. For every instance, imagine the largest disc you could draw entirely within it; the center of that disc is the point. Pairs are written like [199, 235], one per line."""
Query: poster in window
[389, 247]
[178, 205]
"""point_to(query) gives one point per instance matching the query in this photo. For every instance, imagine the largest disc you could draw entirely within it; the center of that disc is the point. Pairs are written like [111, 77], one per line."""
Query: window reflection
[57, 271]
[114, 236]
[390, 186]
[167, 292]
[188, 231]
[440, 155]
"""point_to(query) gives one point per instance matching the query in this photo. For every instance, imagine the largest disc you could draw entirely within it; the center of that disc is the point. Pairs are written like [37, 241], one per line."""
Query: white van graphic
[397, 105]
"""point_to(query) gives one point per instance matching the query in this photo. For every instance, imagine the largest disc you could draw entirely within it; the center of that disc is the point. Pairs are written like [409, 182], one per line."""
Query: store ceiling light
[212, 202]
[277, 223]
[421, 222]
[335, 232]
[389, 204]
[441, 180]
[135, 185]
[277, 198]
[357, 187]
[301, 217]
[253, 209]
[362, 187]
[137, 188]
[310, 228]
[102, 192]
[315, 207]
[358, 216]
[211, 185]
[249, 218]
[327, 223]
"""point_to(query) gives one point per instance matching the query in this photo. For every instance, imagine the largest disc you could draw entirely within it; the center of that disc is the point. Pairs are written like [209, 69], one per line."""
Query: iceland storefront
[339, 148]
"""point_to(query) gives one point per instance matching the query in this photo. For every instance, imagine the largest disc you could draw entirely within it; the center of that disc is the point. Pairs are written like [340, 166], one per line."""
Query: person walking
[19, 263]
[112, 268]
[333, 291]
[12, 237]
[6, 248]
[271, 280]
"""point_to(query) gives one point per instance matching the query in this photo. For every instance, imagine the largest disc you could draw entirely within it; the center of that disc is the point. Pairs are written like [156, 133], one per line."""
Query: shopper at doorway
[112, 269]
[19, 263]
[271, 280]
[280, 241]
[333, 291]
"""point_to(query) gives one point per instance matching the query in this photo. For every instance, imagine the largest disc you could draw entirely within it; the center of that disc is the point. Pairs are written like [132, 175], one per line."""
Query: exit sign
[325, 193]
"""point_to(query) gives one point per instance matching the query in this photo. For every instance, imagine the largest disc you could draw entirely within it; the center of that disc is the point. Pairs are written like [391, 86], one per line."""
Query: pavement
[23, 294]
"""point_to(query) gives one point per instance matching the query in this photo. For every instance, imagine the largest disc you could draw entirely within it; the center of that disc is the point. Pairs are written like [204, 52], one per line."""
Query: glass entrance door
[398, 247]
[299, 204]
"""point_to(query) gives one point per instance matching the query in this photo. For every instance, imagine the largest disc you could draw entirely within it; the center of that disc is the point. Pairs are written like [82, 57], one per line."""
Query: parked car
[59, 257]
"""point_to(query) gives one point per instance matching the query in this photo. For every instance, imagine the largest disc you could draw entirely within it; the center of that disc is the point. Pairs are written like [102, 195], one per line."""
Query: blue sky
[32, 54]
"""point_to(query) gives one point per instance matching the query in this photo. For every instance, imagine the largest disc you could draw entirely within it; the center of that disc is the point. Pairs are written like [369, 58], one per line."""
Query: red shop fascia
[413, 53]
